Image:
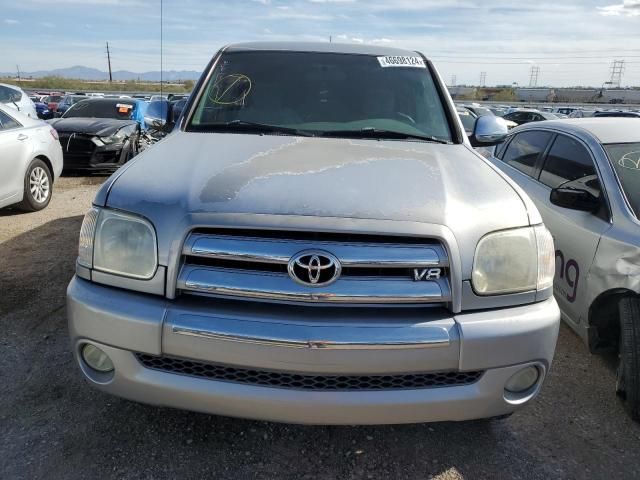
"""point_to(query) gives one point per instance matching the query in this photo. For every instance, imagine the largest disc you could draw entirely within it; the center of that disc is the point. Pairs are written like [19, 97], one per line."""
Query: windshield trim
[458, 135]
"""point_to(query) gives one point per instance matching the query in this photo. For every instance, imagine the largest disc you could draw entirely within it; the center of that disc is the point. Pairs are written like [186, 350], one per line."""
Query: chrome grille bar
[274, 286]
[351, 254]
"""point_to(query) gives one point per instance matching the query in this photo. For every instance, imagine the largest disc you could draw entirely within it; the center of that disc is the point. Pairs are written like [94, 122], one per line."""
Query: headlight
[513, 261]
[118, 243]
[108, 140]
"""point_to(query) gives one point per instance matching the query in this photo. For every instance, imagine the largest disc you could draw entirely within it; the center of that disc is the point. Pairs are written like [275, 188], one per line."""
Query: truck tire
[628, 377]
[38, 187]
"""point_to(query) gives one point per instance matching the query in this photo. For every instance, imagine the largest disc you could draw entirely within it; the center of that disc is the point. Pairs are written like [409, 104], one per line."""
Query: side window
[499, 151]
[568, 160]
[523, 151]
[6, 122]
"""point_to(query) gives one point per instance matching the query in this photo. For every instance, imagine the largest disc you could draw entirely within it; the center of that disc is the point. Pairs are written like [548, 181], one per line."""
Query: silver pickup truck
[317, 242]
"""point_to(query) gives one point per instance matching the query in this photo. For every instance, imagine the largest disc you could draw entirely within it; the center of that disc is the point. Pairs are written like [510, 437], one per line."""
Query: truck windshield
[625, 158]
[332, 94]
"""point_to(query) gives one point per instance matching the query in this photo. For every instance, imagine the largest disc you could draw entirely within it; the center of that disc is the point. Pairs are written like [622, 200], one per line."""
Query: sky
[573, 42]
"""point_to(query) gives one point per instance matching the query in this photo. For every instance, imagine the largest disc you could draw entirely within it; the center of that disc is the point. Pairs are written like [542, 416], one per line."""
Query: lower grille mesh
[308, 382]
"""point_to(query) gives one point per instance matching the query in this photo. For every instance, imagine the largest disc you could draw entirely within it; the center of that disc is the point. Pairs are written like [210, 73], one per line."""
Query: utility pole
[483, 78]
[330, 39]
[617, 69]
[453, 80]
[18, 68]
[534, 71]
[109, 63]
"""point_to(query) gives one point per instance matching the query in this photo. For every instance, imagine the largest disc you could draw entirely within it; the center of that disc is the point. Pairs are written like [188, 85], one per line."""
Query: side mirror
[574, 199]
[176, 111]
[488, 130]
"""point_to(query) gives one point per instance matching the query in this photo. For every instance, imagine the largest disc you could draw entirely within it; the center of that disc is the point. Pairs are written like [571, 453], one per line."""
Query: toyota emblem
[314, 268]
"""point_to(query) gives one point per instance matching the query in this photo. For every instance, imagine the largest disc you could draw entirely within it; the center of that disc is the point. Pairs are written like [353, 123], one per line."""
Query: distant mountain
[80, 72]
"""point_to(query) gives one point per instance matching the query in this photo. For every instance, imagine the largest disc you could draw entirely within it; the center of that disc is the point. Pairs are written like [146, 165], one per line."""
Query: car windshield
[625, 158]
[117, 109]
[468, 121]
[481, 111]
[323, 94]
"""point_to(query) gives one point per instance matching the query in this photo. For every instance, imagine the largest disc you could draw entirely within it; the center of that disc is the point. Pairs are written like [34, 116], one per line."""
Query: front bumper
[80, 153]
[499, 342]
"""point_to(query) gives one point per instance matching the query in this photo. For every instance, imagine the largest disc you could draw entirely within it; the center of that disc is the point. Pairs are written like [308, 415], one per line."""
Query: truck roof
[318, 47]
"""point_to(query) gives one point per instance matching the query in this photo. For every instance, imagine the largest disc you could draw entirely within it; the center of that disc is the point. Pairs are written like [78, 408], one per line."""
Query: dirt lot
[53, 425]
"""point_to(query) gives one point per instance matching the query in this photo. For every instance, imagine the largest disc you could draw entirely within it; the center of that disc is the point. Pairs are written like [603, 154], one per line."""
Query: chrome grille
[269, 378]
[253, 264]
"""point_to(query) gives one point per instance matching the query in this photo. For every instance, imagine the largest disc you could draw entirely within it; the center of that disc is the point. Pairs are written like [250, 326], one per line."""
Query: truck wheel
[37, 187]
[628, 377]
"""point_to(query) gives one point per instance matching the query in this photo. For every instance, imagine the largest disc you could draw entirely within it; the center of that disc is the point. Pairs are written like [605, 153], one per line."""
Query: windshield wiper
[371, 132]
[245, 126]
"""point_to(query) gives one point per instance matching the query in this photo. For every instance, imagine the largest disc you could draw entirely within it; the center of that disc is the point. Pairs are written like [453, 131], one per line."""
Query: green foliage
[69, 84]
[505, 95]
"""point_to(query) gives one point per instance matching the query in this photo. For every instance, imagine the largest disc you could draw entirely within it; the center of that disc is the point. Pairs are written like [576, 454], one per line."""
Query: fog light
[96, 358]
[522, 380]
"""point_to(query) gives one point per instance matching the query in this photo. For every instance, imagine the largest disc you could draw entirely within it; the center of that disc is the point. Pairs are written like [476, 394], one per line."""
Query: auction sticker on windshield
[401, 61]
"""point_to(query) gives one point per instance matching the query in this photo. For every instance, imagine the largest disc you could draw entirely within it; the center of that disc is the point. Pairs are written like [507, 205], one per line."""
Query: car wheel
[628, 375]
[38, 187]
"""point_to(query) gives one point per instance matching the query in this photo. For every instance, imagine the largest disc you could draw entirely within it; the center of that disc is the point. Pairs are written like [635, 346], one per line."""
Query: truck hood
[101, 127]
[189, 174]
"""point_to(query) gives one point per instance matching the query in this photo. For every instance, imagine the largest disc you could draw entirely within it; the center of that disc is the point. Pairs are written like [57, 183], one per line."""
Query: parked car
[31, 160]
[67, 101]
[53, 100]
[316, 241]
[584, 176]
[620, 114]
[525, 116]
[99, 133]
[14, 97]
[468, 119]
[161, 117]
[478, 110]
[42, 109]
[580, 113]
[565, 110]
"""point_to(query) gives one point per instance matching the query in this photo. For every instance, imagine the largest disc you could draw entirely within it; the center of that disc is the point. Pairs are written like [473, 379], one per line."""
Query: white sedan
[14, 97]
[30, 160]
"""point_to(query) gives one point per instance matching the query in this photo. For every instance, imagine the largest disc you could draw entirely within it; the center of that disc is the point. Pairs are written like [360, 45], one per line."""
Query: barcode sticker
[401, 61]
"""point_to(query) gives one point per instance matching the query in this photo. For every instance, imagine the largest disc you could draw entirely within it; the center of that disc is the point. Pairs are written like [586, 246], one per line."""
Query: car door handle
[22, 136]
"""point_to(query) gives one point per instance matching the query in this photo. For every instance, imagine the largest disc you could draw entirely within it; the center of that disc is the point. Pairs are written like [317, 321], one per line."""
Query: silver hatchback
[584, 176]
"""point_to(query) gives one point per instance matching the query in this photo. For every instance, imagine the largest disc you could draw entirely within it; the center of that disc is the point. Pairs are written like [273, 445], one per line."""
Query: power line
[161, 44]
[533, 57]
[524, 62]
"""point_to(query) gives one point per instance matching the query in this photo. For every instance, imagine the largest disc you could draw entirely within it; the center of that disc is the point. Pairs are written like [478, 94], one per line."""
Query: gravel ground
[53, 425]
